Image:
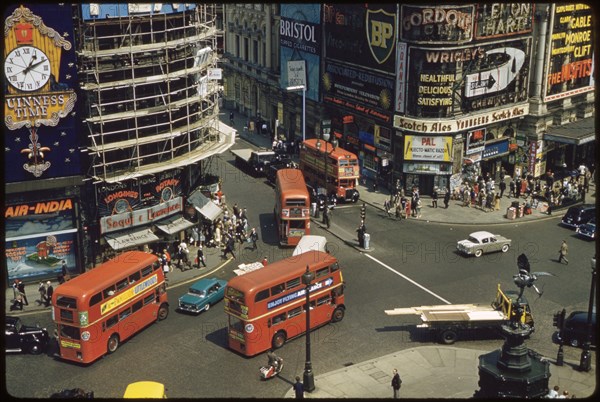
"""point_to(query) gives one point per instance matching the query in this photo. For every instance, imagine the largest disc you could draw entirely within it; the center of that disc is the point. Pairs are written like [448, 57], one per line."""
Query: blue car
[202, 294]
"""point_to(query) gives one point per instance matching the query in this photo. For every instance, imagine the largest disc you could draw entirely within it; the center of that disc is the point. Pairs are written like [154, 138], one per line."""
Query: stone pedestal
[513, 371]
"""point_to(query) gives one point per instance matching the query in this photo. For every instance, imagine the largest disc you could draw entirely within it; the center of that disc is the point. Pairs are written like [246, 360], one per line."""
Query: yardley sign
[141, 217]
[443, 126]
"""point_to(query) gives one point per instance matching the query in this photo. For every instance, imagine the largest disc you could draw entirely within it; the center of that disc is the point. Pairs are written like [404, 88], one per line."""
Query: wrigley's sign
[441, 126]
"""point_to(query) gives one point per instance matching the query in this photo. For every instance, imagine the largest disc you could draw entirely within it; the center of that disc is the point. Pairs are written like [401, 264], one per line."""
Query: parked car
[587, 230]
[201, 295]
[483, 242]
[578, 215]
[24, 338]
[575, 329]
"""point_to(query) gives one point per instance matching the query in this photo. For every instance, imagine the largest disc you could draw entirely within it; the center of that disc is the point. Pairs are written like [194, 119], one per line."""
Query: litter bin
[367, 240]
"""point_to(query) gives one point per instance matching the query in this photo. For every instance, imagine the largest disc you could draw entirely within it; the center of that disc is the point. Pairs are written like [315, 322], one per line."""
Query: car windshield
[473, 239]
[197, 292]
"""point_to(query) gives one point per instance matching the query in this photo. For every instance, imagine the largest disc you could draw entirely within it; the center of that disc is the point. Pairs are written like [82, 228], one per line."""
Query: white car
[483, 242]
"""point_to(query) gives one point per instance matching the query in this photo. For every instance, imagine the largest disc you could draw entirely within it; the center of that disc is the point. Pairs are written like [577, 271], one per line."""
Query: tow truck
[448, 320]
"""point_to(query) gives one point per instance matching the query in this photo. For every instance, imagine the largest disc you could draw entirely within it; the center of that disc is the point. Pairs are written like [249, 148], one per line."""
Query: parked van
[578, 215]
[575, 329]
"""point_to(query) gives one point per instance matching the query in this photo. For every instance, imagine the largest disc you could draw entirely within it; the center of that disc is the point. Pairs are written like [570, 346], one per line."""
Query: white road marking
[407, 278]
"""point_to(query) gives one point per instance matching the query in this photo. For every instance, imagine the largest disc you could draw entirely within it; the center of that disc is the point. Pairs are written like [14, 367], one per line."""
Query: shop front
[571, 145]
[427, 163]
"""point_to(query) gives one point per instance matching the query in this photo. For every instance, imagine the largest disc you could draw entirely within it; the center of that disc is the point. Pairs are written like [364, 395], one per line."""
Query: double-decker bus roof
[107, 274]
[337, 153]
[272, 274]
[292, 182]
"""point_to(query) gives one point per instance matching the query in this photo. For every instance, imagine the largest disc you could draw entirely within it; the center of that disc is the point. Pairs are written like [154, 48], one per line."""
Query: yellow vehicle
[145, 389]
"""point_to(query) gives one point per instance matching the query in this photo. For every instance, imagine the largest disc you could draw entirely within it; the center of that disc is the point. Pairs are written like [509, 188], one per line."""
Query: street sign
[296, 73]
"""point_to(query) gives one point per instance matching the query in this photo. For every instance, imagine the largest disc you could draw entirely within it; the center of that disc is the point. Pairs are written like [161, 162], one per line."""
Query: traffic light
[363, 212]
[558, 320]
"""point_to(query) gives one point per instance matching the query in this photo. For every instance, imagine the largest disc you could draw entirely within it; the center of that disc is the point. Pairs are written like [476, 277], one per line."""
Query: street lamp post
[585, 362]
[309, 379]
[303, 89]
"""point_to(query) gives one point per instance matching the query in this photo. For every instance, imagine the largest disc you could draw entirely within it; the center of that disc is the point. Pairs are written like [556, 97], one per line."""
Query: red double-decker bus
[334, 169]
[292, 206]
[267, 307]
[101, 308]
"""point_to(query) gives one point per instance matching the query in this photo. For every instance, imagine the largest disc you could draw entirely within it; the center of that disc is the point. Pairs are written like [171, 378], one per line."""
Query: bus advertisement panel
[101, 308]
[292, 206]
[333, 168]
[267, 307]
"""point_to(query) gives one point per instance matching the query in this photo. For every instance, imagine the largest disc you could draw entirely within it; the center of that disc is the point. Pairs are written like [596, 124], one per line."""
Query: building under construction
[150, 91]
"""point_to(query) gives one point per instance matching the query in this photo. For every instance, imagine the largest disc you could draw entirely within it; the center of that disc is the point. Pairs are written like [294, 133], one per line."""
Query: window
[134, 277]
[294, 312]
[95, 299]
[149, 299]
[136, 306]
[322, 272]
[124, 313]
[67, 331]
[334, 267]
[122, 284]
[275, 290]
[262, 295]
[279, 318]
[292, 283]
[109, 291]
[68, 302]
[323, 300]
[146, 271]
[111, 322]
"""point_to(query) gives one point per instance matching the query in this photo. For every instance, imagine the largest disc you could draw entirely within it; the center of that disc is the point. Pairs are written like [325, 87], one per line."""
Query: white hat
[48, 283]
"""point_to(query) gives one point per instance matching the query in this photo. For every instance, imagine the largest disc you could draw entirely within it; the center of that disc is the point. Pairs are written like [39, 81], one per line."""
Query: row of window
[298, 310]
[112, 321]
[293, 283]
[67, 331]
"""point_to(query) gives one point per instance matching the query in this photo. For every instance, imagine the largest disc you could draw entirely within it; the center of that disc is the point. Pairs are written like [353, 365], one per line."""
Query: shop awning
[130, 238]
[204, 205]
[576, 133]
[173, 224]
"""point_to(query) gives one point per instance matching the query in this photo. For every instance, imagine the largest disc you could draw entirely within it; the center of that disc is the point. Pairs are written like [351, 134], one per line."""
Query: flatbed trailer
[448, 320]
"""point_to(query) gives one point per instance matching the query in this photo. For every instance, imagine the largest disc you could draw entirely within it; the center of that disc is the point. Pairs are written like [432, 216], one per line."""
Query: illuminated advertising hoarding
[427, 148]
[442, 82]
[571, 56]
[437, 24]
[122, 197]
[359, 69]
[39, 93]
[495, 20]
[39, 235]
[300, 40]
[362, 34]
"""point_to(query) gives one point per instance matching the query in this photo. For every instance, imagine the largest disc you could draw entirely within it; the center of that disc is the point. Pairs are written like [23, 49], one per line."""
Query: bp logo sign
[381, 33]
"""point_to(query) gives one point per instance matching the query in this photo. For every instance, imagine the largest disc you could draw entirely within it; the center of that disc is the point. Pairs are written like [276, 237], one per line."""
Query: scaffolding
[150, 105]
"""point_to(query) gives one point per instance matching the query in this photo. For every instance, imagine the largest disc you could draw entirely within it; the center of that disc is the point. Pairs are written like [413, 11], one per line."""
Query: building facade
[128, 100]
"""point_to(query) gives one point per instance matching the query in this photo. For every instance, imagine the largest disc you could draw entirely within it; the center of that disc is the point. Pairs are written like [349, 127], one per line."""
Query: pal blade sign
[296, 73]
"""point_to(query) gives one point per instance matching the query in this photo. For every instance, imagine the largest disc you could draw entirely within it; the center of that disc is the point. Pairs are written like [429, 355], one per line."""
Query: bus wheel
[163, 312]
[278, 340]
[448, 337]
[338, 314]
[113, 343]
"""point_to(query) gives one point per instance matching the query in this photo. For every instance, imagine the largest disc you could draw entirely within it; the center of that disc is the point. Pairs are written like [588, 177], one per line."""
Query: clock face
[27, 68]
